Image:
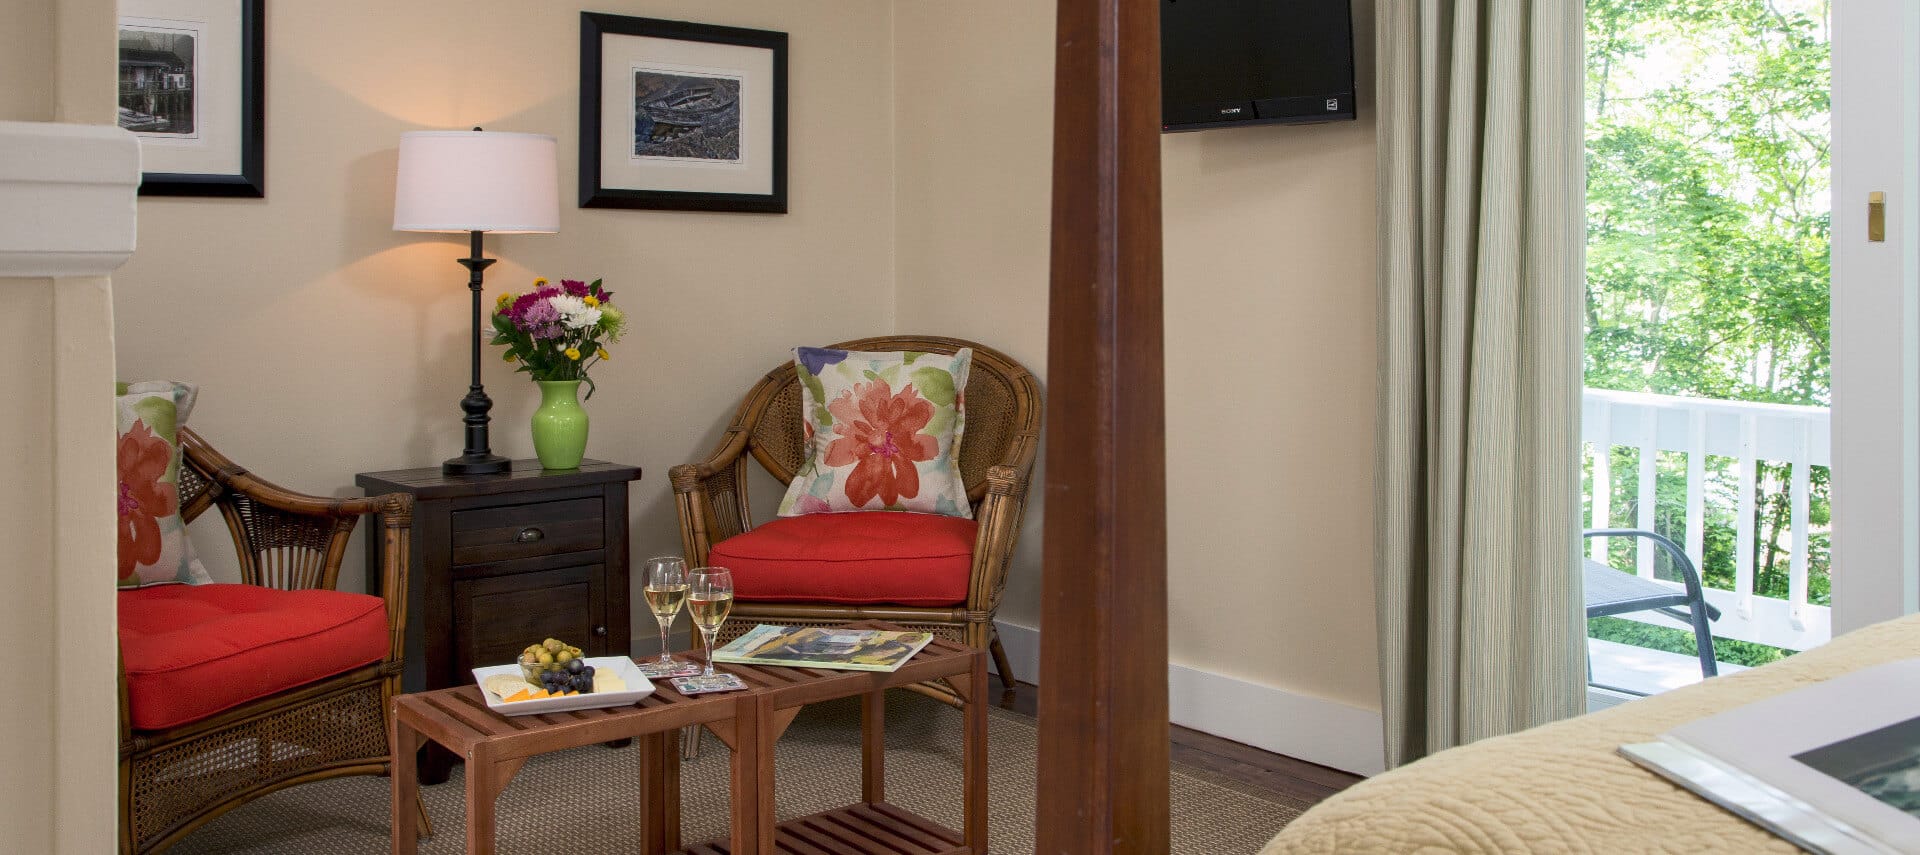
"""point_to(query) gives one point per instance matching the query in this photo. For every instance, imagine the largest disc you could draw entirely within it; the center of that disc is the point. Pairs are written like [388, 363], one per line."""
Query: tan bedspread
[1563, 788]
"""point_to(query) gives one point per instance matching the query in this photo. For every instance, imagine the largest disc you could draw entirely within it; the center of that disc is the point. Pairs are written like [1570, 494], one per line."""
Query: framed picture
[682, 116]
[193, 88]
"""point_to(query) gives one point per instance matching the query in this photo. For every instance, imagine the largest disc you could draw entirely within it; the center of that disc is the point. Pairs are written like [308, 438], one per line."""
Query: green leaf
[160, 416]
[935, 384]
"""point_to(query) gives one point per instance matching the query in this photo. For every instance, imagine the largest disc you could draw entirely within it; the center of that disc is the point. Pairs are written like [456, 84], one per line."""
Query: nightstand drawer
[506, 532]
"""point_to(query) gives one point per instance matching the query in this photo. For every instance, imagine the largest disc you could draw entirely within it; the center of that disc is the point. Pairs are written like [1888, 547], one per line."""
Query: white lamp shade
[477, 181]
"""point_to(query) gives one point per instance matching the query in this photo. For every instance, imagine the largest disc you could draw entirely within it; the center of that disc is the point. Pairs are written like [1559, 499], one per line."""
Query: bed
[1562, 787]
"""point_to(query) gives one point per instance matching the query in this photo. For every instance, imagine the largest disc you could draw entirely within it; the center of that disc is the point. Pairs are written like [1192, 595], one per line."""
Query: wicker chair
[996, 457]
[175, 780]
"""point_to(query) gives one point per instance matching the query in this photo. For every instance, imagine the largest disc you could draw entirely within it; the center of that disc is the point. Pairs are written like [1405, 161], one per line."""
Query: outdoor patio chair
[1616, 592]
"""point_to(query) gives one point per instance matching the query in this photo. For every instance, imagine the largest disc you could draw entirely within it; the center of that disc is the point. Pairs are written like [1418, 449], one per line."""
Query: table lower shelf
[875, 827]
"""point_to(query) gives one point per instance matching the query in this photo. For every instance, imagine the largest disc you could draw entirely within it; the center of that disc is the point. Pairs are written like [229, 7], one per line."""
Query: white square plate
[638, 686]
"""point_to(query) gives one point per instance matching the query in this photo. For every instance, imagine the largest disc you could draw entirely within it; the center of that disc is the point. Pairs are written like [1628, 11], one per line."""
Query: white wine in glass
[709, 599]
[666, 590]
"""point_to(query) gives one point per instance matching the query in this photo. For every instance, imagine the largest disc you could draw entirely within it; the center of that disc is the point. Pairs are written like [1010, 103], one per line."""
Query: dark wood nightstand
[503, 561]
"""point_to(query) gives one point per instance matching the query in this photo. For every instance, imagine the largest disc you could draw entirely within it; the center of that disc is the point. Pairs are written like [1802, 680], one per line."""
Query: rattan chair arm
[998, 520]
[687, 476]
[232, 476]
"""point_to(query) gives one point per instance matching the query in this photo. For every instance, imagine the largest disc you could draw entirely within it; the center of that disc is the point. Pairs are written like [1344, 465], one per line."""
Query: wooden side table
[496, 746]
[873, 825]
[749, 722]
[501, 561]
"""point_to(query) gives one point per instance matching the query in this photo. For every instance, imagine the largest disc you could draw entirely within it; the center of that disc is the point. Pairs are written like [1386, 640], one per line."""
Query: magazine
[1833, 767]
[823, 647]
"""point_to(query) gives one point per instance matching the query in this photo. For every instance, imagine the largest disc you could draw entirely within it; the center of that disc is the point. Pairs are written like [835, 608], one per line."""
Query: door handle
[600, 631]
[530, 534]
[1877, 216]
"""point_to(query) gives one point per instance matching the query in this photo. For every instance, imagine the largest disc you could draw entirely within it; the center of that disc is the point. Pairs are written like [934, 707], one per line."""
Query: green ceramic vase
[560, 425]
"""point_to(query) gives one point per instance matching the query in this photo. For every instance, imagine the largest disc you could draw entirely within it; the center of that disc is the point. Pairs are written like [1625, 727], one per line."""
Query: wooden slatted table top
[459, 718]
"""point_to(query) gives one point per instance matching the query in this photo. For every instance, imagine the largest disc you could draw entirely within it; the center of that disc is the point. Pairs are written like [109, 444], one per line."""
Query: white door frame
[1876, 312]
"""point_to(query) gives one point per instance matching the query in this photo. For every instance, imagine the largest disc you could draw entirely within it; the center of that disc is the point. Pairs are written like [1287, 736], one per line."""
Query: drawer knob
[530, 534]
[600, 630]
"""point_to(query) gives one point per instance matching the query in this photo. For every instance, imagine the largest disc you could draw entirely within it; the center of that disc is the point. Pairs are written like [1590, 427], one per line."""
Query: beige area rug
[585, 801]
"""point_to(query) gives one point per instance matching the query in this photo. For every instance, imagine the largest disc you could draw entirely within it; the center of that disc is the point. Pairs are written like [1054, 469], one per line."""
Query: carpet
[584, 801]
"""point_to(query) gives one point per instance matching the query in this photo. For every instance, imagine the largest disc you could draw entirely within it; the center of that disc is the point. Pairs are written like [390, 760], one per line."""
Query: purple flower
[534, 313]
[574, 287]
[816, 359]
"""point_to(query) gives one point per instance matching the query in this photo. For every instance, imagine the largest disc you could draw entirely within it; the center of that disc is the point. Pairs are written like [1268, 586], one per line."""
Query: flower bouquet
[556, 333]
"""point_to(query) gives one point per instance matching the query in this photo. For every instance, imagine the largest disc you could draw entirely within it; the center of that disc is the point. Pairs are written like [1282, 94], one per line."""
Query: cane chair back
[1002, 405]
[290, 549]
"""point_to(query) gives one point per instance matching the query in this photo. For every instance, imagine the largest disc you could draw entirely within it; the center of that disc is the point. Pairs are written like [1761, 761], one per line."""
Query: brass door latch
[1877, 216]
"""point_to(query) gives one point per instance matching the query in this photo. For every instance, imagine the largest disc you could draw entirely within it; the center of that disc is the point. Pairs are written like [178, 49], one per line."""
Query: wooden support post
[873, 746]
[1103, 674]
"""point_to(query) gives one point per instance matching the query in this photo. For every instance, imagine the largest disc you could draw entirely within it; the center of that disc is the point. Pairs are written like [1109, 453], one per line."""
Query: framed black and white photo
[192, 86]
[682, 116]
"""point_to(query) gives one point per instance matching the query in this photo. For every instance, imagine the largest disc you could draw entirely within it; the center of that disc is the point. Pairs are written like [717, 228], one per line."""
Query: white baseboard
[1313, 729]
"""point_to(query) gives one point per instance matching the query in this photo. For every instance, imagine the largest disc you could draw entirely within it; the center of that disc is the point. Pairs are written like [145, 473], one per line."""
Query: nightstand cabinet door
[496, 617]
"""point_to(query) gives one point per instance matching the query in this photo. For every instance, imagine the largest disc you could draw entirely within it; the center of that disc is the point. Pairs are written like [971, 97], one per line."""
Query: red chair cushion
[194, 650]
[852, 559]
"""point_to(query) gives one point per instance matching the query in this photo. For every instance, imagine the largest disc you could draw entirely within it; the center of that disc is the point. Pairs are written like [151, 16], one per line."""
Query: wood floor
[1275, 773]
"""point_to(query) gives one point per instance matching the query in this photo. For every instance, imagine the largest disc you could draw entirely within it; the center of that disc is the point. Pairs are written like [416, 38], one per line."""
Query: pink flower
[811, 504]
[879, 433]
[143, 460]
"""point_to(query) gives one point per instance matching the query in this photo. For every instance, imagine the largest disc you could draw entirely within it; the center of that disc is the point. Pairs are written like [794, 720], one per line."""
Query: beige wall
[326, 343]
[1269, 341]
[56, 524]
[26, 60]
[26, 436]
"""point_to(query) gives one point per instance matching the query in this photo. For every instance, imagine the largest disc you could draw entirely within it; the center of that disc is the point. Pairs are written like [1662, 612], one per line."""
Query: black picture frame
[251, 180]
[594, 25]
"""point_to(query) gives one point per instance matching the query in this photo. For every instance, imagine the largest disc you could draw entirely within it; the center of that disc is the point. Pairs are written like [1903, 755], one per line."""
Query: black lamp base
[476, 464]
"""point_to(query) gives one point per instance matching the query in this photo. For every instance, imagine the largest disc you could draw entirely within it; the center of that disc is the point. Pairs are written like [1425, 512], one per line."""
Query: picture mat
[194, 30]
[622, 54]
[216, 150]
[1761, 739]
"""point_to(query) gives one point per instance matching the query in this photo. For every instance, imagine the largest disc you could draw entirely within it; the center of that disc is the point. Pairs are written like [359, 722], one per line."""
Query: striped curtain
[1482, 189]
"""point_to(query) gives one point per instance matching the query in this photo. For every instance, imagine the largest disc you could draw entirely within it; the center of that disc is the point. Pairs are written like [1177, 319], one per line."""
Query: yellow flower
[573, 353]
[508, 356]
[603, 354]
[540, 282]
[501, 303]
[590, 300]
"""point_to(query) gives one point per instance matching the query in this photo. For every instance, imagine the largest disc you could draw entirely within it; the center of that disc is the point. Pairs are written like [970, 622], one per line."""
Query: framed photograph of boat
[682, 116]
[192, 86]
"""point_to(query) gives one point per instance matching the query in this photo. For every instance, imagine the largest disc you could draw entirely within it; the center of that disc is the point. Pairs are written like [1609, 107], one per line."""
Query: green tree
[1708, 242]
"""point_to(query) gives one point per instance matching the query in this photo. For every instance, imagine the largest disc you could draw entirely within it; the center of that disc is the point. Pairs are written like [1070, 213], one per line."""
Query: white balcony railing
[1746, 433]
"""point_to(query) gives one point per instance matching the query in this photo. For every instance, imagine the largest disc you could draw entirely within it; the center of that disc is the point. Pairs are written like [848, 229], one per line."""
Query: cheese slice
[604, 681]
[503, 685]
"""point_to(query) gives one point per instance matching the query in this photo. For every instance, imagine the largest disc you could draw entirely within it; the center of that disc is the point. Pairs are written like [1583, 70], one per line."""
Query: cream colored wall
[56, 337]
[26, 60]
[1269, 334]
[327, 344]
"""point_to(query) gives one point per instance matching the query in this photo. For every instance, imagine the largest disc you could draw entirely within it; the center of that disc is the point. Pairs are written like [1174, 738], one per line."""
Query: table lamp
[477, 182]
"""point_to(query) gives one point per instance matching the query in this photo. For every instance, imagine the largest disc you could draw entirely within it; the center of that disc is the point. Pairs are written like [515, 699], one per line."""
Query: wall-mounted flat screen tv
[1240, 62]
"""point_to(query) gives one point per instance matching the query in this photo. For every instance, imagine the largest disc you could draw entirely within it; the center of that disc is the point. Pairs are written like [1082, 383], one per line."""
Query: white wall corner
[67, 199]
[1316, 730]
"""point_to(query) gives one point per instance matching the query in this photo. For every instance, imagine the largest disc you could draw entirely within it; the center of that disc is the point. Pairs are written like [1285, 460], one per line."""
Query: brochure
[1833, 767]
[823, 647]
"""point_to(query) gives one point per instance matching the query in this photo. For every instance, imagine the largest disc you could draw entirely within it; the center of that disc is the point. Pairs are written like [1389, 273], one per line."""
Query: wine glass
[666, 581]
[709, 599]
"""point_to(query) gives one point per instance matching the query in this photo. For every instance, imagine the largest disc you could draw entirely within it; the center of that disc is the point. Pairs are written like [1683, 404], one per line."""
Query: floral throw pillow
[883, 432]
[153, 537]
